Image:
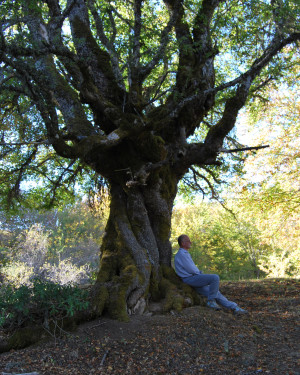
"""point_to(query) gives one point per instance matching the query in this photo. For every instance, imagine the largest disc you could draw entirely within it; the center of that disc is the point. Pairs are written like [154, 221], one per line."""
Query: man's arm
[185, 265]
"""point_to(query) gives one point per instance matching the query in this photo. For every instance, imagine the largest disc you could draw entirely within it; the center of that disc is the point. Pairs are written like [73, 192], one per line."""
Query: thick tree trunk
[136, 253]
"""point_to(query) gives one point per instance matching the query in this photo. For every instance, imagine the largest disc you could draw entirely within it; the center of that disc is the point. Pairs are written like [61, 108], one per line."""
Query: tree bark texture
[136, 252]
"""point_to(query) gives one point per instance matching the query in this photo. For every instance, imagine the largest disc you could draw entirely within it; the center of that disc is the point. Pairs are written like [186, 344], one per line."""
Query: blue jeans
[208, 286]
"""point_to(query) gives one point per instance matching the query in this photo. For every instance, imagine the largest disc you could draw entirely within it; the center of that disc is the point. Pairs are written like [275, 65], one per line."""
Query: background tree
[275, 173]
[116, 89]
[58, 245]
[270, 181]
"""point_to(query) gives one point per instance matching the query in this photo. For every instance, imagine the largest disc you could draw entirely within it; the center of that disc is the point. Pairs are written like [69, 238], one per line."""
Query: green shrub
[43, 302]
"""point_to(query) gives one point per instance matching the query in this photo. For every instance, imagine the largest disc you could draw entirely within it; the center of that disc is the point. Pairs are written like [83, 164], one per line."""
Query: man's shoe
[239, 311]
[212, 304]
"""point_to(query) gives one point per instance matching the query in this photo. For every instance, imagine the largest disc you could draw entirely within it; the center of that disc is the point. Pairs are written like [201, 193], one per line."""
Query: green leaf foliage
[41, 303]
[75, 76]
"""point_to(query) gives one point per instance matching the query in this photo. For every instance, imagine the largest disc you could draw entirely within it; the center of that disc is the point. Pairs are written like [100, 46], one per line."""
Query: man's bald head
[184, 241]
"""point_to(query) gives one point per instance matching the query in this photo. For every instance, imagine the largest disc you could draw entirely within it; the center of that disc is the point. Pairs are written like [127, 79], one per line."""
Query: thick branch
[275, 46]
[49, 115]
[137, 34]
[218, 132]
[108, 43]
[53, 86]
[185, 45]
[92, 55]
[202, 23]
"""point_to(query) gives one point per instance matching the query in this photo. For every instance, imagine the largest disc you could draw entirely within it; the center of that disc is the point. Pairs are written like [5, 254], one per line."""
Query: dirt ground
[195, 341]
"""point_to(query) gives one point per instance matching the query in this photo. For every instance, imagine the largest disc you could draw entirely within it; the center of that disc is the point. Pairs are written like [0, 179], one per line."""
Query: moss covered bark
[136, 253]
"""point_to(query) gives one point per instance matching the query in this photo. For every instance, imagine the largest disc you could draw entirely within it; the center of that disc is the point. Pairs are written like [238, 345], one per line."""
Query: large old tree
[137, 93]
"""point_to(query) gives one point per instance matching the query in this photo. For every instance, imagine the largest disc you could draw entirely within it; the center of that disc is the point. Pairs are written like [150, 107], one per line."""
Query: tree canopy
[82, 77]
[138, 93]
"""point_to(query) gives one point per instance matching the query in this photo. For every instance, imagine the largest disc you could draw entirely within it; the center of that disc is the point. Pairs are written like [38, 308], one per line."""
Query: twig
[24, 143]
[97, 325]
[243, 149]
[104, 357]
[56, 328]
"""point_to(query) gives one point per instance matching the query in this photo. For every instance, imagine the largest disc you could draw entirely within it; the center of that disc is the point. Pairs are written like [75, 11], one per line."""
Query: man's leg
[202, 280]
[223, 301]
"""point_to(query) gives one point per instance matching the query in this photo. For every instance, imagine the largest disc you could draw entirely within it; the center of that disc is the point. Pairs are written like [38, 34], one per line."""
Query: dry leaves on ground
[195, 341]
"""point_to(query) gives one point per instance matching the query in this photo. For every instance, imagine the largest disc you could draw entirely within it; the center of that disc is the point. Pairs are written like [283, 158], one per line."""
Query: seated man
[205, 284]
